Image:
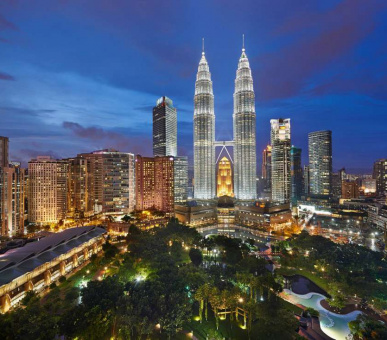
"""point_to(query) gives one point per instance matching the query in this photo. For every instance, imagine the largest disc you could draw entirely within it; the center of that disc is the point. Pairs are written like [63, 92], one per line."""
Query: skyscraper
[245, 162]
[106, 183]
[204, 133]
[280, 160]
[266, 169]
[12, 215]
[3, 192]
[47, 197]
[320, 163]
[296, 174]
[380, 175]
[181, 178]
[155, 183]
[306, 180]
[224, 178]
[4, 146]
[164, 128]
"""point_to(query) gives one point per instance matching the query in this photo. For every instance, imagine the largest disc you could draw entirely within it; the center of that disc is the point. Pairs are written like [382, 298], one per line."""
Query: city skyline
[77, 97]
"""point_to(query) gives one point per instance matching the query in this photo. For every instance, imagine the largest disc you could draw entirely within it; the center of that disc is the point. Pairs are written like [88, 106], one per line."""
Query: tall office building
[13, 216]
[164, 128]
[79, 187]
[165, 144]
[320, 163]
[244, 121]
[336, 185]
[306, 180]
[280, 160]
[4, 142]
[47, 197]
[296, 174]
[164, 183]
[181, 179]
[224, 178]
[266, 168]
[102, 182]
[204, 134]
[4, 146]
[155, 183]
[380, 175]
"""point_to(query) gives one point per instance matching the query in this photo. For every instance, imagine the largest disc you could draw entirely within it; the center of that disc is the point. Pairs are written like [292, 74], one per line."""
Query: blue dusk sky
[81, 75]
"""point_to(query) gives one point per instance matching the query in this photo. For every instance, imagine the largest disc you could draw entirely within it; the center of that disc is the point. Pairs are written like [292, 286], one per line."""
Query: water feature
[332, 324]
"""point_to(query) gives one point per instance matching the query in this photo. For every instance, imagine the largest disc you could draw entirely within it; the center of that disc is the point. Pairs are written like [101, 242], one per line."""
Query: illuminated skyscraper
[224, 178]
[204, 133]
[102, 182]
[47, 196]
[245, 163]
[12, 210]
[266, 169]
[380, 175]
[4, 146]
[280, 160]
[320, 163]
[164, 128]
[296, 174]
[181, 178]
[155, 183]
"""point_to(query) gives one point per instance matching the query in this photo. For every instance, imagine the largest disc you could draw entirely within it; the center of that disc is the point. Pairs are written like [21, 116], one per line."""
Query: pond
[332, 324]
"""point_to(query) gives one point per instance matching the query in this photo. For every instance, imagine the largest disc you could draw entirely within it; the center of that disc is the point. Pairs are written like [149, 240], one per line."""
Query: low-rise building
[195, 213]
[264, 215]
[377, 215]
[36, 265]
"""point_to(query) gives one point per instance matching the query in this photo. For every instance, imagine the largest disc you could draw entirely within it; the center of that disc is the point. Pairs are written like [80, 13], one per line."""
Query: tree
[110, 250]
[366, 328]
[203, 294]
[196, 256]
[216, 302]
[105, 294]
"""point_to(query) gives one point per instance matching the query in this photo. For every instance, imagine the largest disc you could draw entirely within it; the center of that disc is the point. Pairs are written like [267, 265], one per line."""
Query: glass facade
[280, 160]
[244, 119]
[204, 134]
[320, 163]
[164, 128]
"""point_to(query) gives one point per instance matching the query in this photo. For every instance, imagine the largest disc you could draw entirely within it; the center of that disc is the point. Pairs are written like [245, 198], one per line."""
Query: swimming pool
[332, 324]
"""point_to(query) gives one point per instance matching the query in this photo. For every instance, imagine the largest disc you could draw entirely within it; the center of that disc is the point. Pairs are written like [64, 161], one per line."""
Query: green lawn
[319, 281]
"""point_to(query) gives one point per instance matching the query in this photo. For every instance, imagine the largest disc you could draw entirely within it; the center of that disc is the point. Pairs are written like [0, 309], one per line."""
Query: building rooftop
[19, 261]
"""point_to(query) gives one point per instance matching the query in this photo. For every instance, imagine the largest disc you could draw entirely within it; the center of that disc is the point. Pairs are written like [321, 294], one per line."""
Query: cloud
[6, 76]
[7, 25]
[110, 139]
[27, 154]
[324, 37]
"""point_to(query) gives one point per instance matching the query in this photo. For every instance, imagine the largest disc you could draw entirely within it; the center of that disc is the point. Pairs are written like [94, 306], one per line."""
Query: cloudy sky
[81, 75]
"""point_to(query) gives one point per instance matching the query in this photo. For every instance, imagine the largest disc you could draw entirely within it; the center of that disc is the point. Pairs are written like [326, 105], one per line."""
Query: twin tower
[244, 126]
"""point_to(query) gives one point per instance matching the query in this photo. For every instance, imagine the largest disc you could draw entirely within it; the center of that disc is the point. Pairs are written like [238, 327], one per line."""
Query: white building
[244, 121]
[204, 134]
[280, 160]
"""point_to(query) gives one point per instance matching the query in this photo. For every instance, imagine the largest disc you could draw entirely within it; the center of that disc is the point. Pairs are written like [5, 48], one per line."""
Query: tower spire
[243, 42]
[202, 46]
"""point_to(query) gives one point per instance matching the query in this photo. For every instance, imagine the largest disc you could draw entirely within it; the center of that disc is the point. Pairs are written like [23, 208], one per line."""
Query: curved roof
[19, 261]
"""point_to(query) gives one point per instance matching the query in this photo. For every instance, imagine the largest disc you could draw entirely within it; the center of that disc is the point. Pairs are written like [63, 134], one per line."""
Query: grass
[227, 329]
[319, 281]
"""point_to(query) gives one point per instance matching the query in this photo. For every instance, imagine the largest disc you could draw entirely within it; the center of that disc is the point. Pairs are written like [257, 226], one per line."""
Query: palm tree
[203, 295]
[216, 303]
[200, 297]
